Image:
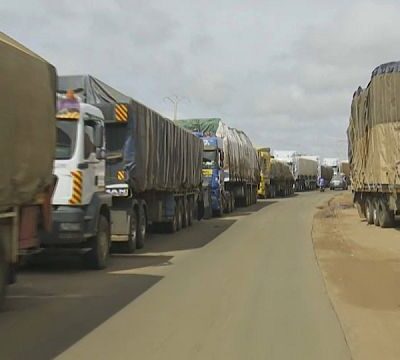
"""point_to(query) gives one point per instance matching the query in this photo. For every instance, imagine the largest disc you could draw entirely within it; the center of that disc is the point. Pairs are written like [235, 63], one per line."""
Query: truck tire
[185, 213]
[131, 245]
[179, 215]
[3, 277]
[369, 211]
[172, 226]
[375, 203]
[97, 257]
[190, 211]
[386, 216]
[142, 229]
[360, 206]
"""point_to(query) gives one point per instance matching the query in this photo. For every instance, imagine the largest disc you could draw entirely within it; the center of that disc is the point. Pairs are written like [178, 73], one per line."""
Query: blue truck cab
[213, 173]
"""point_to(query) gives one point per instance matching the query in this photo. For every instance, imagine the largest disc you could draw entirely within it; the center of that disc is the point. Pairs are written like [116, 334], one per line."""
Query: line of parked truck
[85, 166]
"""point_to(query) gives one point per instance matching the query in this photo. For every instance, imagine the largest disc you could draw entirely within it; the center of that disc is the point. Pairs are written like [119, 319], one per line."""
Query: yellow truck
[276, 178]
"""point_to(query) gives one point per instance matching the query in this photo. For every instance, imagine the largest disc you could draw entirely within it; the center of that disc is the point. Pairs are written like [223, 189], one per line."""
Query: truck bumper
[68, 228]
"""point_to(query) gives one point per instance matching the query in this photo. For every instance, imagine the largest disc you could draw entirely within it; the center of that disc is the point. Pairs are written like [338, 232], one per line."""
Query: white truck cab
[81, 207]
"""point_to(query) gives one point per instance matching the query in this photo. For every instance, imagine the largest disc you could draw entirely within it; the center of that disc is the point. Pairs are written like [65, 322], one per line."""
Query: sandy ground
[361, 267]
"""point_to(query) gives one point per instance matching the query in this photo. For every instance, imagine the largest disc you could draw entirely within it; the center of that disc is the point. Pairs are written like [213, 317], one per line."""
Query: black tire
[142, 229]
[190, 212]
[369, 211]
[386, 216]
[179, 215]
[131, 245]
[375, 204]
[185, 213]
[360, 206]
[97, 257]
[3, 277]
[172, 226]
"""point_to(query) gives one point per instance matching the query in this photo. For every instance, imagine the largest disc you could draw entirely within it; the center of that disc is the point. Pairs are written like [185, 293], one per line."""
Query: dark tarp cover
[157, 154]
[27, 133]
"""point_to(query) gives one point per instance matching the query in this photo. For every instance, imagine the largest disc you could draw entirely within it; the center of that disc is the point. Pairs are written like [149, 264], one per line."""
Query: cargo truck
[276, 178]
[230, 163]
[305, 172]
[374, 146]
[27, 142]
[147, 171]
[326, 172]
[304, 169]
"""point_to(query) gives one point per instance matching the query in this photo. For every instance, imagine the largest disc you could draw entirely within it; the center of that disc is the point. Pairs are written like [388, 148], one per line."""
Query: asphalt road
[240, 287]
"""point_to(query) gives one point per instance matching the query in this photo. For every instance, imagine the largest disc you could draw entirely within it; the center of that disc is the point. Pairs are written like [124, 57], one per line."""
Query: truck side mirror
[98, 136]
[100, 154]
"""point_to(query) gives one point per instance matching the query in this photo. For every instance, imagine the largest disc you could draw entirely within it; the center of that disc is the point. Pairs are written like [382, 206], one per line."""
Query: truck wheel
[179, 215]
[185, 213]
[142, 229]
[131, 245]
[172, 226]
[97, 257]
[360, 206]
[3, 277]
[375, 203]
[386, 216]
[190, 212]
[369, 211]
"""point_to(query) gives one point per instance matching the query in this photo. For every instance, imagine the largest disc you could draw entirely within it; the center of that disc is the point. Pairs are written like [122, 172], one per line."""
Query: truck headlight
[70, 226]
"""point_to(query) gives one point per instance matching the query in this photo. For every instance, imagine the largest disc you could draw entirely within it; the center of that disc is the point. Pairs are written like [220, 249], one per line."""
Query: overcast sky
[283, 71]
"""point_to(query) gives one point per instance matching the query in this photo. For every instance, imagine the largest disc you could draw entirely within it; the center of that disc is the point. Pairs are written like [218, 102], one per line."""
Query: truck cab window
[89, 147]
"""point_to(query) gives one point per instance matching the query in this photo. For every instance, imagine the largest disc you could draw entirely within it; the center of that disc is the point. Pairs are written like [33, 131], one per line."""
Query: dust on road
[361, 268]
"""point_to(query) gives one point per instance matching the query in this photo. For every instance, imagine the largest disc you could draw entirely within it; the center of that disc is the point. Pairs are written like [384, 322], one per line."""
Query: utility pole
[175, 100]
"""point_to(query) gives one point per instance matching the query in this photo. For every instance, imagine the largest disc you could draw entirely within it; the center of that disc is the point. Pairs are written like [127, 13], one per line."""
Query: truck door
[92, 169]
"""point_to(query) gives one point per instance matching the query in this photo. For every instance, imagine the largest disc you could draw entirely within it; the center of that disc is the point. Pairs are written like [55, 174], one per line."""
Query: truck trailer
[305, 172]
[27, 143]
[276, 178]
[374, 146]
[140, 169]
[230, 163]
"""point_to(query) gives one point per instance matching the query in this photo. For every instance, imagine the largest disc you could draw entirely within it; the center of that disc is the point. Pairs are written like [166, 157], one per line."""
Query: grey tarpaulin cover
[304, 167]
[280, 171]
[27, 133]
[156, 154]
[241, 161]
[374, 130]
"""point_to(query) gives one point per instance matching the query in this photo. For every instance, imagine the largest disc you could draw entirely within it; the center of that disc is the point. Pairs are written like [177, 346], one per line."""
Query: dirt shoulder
[361, 267]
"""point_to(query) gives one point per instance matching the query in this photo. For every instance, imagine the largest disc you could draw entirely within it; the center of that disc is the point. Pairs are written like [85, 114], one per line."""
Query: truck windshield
[66, 138]
[210, 159]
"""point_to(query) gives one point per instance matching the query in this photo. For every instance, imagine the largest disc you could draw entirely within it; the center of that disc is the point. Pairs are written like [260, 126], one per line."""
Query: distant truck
[27, 142]
[344, 170]
[229, 163]
[326, 172]
[122, 167]
[374, 146]
[305, 172]
[276, 178]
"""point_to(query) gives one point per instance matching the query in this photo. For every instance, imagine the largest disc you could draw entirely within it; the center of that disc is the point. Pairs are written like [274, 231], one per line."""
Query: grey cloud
[283, 71]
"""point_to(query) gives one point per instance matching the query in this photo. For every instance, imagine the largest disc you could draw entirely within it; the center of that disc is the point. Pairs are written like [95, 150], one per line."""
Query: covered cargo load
[241, 162]
[156, 154]
[305, 167]
[27, 126]
[280, 171]
[374, 131]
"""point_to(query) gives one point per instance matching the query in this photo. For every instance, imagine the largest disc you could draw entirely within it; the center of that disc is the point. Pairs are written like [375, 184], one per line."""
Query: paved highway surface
[240, 287]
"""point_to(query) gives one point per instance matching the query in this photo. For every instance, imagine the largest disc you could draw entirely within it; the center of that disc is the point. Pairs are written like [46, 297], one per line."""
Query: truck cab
[214, 175]
[81, 207]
